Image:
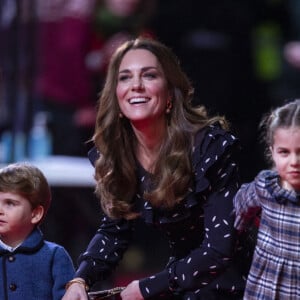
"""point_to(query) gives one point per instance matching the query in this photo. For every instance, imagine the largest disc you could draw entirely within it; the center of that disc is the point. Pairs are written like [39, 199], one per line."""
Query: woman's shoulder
[216, 151]
[213, 139]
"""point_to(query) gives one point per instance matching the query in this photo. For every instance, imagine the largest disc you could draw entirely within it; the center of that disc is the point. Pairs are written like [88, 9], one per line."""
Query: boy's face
[17, 218]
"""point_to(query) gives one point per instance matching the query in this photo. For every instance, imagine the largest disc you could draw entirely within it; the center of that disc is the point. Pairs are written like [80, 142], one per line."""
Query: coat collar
[30, 245]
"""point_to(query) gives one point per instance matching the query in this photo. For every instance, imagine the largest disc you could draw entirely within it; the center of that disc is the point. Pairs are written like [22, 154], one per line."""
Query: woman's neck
[148, 147]
[146, 156]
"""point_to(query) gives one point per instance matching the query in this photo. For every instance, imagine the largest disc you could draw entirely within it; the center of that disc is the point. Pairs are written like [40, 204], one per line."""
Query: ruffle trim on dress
[270, 179]
[215, 141]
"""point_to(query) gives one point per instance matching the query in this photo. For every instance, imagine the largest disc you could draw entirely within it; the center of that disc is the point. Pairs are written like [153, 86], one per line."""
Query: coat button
[12, 287]
[11, 258]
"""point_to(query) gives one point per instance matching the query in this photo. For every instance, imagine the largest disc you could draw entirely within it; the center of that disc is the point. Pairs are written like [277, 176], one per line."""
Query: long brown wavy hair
[115, 170]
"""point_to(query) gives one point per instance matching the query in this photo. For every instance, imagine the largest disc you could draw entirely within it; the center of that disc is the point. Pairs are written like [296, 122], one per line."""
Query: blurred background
[242, 56]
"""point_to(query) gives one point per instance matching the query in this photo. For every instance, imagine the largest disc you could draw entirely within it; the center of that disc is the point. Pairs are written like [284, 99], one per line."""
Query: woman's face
[142, 89]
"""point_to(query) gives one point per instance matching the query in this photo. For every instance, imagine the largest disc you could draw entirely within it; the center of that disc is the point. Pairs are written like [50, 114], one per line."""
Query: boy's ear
[37, 214]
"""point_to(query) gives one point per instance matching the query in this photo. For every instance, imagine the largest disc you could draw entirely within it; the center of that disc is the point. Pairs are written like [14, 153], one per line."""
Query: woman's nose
[137, 83]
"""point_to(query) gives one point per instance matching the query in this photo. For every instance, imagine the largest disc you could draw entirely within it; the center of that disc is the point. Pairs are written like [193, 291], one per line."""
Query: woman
[158, 159]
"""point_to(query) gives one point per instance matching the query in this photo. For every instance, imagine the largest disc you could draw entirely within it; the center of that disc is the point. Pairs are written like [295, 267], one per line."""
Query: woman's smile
[138, 100]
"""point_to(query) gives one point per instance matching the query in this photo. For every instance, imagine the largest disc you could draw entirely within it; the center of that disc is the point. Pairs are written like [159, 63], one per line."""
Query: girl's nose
[295, 159]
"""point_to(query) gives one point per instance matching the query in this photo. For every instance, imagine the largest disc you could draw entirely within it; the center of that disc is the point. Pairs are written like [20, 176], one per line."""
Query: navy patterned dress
[275, 270]
[200, 230]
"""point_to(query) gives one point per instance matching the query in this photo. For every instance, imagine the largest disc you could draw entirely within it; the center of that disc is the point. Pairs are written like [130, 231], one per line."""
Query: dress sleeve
[108, 245]
[246, 205]
[105, 250]
[216, 181]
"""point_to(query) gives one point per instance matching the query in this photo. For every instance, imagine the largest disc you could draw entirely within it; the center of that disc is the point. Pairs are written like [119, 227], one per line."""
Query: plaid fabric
[275, 269]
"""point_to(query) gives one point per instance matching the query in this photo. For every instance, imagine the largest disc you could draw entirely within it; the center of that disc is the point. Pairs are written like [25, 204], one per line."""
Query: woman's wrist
[79, 281]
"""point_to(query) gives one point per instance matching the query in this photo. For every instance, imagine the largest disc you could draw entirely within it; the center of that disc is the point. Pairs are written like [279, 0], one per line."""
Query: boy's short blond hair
[27, 180]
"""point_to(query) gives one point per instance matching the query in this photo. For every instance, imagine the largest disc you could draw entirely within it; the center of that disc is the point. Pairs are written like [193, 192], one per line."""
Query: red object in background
[62, 73]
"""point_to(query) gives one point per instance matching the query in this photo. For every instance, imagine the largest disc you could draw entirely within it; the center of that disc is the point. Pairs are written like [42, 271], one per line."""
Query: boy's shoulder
[36, 242]
[54, 248]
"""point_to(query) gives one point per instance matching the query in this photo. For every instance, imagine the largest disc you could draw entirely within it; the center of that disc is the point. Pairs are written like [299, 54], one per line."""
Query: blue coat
[37, 270]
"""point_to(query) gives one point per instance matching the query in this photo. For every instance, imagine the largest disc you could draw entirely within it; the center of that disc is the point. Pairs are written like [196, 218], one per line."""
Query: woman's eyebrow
[142, 69]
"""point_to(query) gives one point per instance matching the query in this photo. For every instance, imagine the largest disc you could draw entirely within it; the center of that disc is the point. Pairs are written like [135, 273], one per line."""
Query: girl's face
[286, 156]
[142, 89]
[17, 218]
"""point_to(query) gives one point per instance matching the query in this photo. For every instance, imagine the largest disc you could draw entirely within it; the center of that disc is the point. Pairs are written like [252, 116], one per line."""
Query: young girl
[275, 269]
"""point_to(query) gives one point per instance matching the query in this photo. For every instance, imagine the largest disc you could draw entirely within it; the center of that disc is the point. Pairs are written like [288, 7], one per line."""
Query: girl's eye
[283, 152]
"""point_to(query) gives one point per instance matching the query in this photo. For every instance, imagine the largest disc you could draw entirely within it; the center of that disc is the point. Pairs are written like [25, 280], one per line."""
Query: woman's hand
[132, 292]
[76, 291]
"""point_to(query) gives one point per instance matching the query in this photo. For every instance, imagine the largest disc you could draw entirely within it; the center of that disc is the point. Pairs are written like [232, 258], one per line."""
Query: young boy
[30, 267]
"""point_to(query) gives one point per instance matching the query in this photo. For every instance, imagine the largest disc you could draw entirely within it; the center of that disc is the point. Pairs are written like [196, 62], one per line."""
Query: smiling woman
[163, 162]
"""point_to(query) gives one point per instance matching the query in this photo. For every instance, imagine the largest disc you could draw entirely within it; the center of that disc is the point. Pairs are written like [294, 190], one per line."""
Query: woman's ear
[37, 214]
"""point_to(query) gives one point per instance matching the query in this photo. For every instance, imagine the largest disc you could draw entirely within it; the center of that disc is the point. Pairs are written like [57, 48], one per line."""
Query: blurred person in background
[292, 53]
[63, 82]
[292, 48]
[17, 56]
[114, 22]
[76, 39]
[289, 82]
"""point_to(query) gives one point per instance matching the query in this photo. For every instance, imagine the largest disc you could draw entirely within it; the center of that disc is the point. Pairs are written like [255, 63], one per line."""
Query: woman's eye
[123, 77]
[150, 75]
